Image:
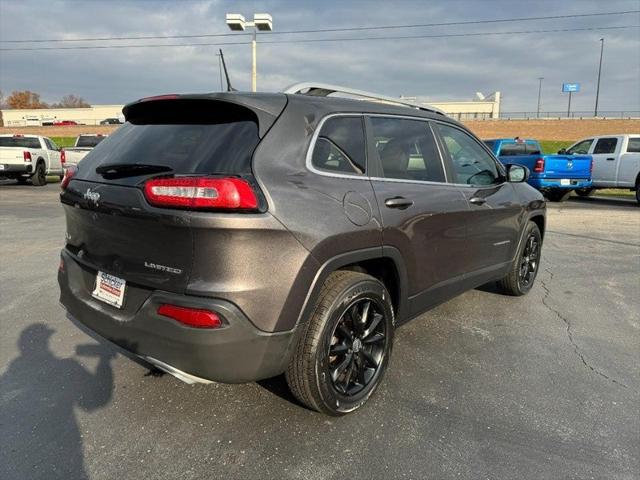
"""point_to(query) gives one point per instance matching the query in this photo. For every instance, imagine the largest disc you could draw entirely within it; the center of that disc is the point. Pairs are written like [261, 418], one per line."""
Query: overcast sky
[452, 68]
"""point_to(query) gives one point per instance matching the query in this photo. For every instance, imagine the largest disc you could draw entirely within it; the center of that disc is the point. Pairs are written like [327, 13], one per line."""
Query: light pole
[539, 95]
[595, 114]
[262, 22]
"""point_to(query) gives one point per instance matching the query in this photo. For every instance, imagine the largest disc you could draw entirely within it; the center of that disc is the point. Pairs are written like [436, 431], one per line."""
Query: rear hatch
[567, 166]
[111, 225]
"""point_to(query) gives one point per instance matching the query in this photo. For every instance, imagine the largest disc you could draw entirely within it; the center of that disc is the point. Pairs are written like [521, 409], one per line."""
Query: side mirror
[517, 173]
[562, 151]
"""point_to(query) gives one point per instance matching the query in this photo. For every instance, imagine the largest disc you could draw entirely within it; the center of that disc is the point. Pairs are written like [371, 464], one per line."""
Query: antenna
[226, 74]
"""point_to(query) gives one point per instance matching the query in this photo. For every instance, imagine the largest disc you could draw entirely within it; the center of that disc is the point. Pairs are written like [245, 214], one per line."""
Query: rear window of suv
[190, 137]
[20, 142]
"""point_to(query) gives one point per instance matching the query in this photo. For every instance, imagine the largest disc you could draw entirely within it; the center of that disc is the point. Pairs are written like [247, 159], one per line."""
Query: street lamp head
[263, 22]
[236, 22]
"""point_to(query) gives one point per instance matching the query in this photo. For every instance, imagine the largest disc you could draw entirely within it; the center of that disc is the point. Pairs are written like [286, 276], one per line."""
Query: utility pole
[595, 114]
[569, 107]
[539, 95]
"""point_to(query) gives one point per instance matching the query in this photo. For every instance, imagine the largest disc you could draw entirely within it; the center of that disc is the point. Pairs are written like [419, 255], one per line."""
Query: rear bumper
[235, 353]
[555, 183]
[15, 169]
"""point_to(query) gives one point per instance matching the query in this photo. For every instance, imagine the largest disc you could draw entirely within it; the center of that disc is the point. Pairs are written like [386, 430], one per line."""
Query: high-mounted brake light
[63, 156]
[539, 166]
[201, 193]
[192, 317]
[171, 96]
[69, 173]
[27, 156]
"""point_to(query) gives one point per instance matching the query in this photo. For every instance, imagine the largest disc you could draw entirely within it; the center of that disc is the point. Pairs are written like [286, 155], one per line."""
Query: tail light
[63, 156]
[539, 166]
[191, 317]
[26, 156]
[591, 168]
[201, 193]
[69, 173]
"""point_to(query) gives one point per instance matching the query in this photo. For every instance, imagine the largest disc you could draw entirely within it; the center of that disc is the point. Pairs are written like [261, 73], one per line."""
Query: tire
[39, 178]
[557, 195]
[341, 383]
[638, 194]
[514, 282]
[585, 192]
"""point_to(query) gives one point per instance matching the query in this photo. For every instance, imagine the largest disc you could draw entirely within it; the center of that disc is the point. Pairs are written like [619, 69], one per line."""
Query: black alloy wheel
[529, 261]
[357, 347]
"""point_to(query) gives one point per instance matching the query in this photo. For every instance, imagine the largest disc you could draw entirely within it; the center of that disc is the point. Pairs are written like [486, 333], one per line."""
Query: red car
[61, 123]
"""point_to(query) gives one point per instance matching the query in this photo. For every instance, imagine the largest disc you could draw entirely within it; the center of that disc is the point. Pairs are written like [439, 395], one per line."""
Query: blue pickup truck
[556, 176]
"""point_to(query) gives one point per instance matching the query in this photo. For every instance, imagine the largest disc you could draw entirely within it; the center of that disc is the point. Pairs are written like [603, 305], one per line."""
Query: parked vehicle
[554, 175]
[111, 121]
[83, 145]
[24, 157]
[233, 237]
[616, 162]
[62, 123]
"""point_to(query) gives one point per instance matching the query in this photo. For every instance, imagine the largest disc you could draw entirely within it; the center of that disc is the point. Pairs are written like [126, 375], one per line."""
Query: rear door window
[606, 145]
[340, 146]
[471, 163]
[407, 149]
[634, 145]
[581, 148]
[512, 149]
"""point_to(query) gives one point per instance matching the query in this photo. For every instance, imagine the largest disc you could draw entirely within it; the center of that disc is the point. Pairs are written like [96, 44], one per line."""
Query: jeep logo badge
[91, 196]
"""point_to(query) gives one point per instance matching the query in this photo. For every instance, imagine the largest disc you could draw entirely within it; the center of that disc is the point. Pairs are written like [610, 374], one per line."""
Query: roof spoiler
[324, 90]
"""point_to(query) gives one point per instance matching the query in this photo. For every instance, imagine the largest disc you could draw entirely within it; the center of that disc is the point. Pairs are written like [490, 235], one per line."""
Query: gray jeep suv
[233, 237]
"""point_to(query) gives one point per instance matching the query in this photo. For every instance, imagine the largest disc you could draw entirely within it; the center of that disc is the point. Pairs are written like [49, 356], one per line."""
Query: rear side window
[512, 149]
[634, 145]
[89, 140]
[196, 137]
[582, 147]
[20, 142]
[471, 163]
[606, 145]
[340, 146]
[407, 149]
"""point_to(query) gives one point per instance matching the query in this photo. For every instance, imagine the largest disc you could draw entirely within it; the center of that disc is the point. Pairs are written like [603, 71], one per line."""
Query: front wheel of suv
[345, 348]
[523, 273]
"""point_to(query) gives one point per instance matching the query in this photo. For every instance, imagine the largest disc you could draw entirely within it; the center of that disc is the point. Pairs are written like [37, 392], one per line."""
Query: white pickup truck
[84, 144]
[616, 162]
[29, 156]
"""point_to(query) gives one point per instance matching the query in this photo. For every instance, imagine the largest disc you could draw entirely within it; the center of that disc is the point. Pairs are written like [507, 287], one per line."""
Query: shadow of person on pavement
[39, 433]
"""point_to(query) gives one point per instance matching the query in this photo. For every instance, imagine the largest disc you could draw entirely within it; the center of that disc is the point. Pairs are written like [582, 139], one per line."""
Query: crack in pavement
[566, 321]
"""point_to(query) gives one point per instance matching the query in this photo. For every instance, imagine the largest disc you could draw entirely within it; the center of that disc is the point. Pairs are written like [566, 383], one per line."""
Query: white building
[47, 116]
[480, 107]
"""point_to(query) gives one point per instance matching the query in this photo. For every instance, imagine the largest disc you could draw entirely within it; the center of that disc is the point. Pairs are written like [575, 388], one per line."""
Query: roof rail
[324, 90]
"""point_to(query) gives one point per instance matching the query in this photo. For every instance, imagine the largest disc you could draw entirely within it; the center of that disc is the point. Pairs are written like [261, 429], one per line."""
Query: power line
[316, 40]
[327, 30]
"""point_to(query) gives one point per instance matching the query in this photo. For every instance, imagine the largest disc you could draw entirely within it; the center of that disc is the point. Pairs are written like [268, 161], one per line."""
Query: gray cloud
[437, 68]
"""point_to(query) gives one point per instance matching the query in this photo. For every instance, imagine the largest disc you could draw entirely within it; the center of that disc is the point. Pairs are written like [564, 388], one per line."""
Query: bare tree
[71, 101]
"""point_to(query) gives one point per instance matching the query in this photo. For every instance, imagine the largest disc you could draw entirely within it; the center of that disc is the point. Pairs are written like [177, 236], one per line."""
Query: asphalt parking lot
[483, 387]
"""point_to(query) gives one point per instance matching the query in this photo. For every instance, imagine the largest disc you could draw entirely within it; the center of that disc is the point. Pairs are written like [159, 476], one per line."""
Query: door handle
[398, 202]
[610, 159]
[477, 200]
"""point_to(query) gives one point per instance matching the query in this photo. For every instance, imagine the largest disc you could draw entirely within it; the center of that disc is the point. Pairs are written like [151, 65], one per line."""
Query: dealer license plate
[109, 289]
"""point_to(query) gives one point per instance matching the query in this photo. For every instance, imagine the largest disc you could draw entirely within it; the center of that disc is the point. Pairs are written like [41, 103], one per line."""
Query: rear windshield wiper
[121, 170]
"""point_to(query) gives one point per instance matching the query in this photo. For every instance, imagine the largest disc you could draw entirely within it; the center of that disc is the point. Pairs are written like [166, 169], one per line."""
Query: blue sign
[570, 87]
